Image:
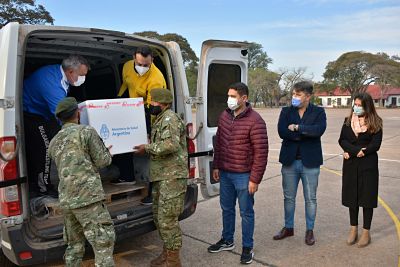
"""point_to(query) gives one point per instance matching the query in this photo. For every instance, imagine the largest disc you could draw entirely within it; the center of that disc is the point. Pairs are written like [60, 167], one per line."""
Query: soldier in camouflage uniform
[79, 153]
[168, 172]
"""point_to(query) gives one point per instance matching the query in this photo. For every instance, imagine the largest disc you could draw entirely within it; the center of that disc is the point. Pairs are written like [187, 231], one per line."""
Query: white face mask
[80, 81]
[232, 103]
[141, 70]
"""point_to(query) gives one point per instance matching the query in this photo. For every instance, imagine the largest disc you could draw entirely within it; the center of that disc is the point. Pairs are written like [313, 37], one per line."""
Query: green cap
[65, 106]
[163, 96]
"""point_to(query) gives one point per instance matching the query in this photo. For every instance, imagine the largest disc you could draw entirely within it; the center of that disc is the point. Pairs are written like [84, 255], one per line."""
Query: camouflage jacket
[78, 153]
[167, 148]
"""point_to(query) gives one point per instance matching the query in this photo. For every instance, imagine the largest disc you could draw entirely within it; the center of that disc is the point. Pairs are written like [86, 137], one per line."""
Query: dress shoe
[285, 232]
[365, 239]
[309, 239]
[352, 238]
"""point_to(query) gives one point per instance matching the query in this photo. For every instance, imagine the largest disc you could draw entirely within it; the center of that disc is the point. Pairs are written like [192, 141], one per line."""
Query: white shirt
[64, 80]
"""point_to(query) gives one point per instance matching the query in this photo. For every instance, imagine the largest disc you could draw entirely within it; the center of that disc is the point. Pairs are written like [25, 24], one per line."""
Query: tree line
[352, 71]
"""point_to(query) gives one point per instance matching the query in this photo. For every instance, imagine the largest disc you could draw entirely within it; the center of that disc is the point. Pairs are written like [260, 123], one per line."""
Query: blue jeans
[236, 186]
[291, 176]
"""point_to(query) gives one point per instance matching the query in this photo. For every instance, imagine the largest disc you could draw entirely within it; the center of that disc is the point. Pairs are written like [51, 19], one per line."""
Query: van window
[220, 77]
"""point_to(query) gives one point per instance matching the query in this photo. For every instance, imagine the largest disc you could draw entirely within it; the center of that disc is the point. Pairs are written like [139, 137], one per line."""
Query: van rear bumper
[15, 239]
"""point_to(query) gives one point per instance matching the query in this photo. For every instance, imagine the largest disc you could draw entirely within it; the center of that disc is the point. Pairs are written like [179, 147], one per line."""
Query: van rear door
[221, 64]
[10, 204]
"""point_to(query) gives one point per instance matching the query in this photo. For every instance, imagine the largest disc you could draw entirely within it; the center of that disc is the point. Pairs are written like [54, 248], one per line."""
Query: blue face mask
[358, 110]
[296, 102]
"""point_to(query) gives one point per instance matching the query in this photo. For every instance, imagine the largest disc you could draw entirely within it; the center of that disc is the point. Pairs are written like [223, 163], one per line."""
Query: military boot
[173, 259]
[160, 260]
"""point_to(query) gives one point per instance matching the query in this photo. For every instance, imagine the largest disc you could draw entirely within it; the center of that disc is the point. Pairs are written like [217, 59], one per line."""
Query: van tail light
[25, 255]
[10, 204]
[191, 149]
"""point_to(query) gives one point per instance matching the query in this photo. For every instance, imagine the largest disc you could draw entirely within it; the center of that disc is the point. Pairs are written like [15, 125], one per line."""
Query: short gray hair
[74, 61]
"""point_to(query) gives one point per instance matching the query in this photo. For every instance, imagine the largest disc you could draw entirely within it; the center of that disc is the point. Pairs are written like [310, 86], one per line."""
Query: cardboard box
[119, 122]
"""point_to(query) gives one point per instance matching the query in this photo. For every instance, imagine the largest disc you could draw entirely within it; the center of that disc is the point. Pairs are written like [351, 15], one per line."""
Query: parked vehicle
[26, 240]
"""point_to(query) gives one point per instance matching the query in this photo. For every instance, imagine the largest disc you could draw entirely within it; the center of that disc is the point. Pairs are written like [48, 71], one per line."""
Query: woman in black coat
[361, 138]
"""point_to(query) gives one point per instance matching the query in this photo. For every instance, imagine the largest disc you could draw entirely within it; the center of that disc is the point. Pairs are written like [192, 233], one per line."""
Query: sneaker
[247, 256]
[220, 246]
[147, 201]
[120, 181]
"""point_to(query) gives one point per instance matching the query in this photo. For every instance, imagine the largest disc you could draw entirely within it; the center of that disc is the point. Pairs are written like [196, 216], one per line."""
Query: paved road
[204, 227]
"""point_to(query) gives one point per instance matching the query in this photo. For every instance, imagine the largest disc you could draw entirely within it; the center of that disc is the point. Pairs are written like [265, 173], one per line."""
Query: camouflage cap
[66, 105]
[163, 96]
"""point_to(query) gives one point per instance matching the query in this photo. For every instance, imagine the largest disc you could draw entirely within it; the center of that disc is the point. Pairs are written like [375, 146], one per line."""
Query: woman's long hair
[372, 120]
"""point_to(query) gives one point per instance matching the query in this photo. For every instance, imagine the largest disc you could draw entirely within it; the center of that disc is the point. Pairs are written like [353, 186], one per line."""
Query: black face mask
[155, 110]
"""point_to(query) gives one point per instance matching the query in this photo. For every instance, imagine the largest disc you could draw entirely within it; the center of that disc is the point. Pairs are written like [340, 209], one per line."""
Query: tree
[395, 57]
[24, 12]
[354, 71]
[270, 87]
[191, 76]
[257, 57]
[188, 55]
[261, 83]
[387, 76]
[292, 76]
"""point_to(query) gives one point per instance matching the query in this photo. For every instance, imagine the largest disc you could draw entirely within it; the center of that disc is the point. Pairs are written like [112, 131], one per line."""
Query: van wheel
[4, 261]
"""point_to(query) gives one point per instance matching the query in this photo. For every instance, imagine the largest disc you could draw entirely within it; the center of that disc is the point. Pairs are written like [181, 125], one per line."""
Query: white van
[25, 240]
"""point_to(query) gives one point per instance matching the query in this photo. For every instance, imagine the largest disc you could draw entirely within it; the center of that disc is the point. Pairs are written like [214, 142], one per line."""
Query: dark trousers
[38, 134]
[124, 162]
[367, 217]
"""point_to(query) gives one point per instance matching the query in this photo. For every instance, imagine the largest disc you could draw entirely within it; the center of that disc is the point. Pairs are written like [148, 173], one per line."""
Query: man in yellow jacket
[139, 77]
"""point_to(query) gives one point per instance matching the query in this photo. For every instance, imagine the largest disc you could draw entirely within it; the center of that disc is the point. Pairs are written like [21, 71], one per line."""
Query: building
[392, 97]
[335, 98]
[389, 97]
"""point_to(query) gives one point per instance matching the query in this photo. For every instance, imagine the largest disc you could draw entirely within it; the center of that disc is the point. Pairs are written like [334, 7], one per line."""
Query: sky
[294, 33]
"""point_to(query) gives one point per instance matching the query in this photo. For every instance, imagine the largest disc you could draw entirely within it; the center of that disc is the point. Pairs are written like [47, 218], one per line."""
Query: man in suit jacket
[300, 126]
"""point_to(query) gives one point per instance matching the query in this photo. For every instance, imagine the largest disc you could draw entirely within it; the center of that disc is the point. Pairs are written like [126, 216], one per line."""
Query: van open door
[10, 201]
[222, 63]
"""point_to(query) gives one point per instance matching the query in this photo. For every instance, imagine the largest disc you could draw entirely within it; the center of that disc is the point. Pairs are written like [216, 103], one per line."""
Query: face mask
[80, 81]
[141, 70]
[358, 110]
[296, 102]
[232, 103]
[155, 110]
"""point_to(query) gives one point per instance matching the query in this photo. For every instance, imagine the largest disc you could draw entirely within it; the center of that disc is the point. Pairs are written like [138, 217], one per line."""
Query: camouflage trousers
[94, 223]
[168, 200]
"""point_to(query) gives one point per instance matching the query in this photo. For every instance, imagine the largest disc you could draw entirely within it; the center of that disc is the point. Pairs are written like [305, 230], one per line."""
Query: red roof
[373, 89]
[336, 92]
[391, 91]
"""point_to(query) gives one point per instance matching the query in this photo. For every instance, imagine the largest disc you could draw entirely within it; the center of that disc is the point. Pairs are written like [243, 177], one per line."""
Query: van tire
[4, 261]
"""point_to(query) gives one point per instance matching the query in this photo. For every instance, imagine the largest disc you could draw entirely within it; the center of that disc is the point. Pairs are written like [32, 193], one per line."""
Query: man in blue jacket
[301, 126]
[42, 91]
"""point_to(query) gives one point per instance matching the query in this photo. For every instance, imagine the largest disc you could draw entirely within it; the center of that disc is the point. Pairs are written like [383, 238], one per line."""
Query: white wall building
[339, 98]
